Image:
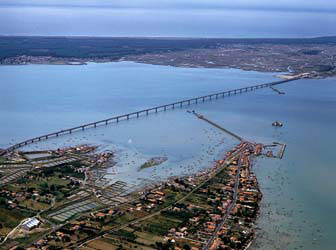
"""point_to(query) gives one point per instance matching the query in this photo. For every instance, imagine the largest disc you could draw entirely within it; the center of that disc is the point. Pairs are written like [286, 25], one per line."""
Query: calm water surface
[299, 201]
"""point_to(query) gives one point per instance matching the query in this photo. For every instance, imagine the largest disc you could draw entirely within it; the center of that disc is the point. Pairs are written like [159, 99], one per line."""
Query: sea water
[298, 191]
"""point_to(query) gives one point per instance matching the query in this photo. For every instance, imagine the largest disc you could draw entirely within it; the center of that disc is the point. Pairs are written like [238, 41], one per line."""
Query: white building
[30, 224]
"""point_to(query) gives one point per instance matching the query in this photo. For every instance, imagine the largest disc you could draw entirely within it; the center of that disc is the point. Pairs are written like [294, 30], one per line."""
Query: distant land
[294, 55]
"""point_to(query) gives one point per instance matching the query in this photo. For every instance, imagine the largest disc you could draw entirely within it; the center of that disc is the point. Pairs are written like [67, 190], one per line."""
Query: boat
[277, 124]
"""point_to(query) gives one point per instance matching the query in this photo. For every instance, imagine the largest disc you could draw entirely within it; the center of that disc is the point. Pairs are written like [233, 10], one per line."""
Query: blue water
[298, 203]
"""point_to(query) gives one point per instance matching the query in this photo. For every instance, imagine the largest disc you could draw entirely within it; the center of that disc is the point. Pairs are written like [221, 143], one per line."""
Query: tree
[186, 247]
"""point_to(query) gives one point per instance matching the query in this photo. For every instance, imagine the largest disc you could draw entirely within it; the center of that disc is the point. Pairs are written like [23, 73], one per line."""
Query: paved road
[92, 238]
[233, 203]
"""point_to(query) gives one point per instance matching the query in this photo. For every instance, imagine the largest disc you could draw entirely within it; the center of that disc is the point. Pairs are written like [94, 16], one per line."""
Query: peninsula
[314, 55]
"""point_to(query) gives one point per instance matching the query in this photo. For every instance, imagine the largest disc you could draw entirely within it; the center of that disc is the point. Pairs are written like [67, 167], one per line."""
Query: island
[153, 162]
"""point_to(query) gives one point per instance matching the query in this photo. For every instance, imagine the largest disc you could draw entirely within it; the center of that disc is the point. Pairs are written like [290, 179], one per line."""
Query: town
[60, 200]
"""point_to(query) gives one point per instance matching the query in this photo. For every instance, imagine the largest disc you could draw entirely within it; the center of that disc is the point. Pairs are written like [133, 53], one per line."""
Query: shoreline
[59, 61]
[235, 162]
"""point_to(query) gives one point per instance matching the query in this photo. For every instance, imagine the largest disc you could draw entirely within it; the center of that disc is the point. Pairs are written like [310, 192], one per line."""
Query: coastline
[47, 60]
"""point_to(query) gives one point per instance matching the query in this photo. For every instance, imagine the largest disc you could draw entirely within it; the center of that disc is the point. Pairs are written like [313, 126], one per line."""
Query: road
[233, 203]
[101, 234]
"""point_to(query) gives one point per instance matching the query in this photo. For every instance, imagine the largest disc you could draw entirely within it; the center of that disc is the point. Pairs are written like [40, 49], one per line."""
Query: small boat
[277, 124]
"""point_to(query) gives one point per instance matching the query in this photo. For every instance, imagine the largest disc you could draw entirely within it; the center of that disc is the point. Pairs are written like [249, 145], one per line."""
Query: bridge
[148, 111]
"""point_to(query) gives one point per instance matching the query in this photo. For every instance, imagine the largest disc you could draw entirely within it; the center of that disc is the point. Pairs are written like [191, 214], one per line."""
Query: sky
[169, 18]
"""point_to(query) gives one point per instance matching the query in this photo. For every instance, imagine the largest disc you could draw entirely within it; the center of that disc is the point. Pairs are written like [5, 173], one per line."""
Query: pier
[216, 125]
[148, 111]
[282, 151]
[278, 91]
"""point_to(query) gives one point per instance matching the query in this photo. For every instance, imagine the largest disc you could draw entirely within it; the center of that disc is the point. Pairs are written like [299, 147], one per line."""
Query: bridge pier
[189, 101]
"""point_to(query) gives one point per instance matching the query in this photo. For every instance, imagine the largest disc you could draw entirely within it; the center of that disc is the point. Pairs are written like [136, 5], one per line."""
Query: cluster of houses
[237, 231]
[15, 199]
[226, 203]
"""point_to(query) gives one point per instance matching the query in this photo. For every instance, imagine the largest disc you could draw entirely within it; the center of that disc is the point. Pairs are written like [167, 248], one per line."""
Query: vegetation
[115, 48]
[9, 218]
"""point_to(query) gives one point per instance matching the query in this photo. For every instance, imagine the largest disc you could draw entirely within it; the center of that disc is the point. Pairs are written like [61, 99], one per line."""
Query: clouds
[266, 5]
[187, 18]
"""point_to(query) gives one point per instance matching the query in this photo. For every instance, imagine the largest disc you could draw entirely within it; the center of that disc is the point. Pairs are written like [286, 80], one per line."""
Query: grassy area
[101, 244]
[34, 205]
[147, 239]
[2, 159]
[128, 217]
[159, 225]
[9, 219]
[197, 199]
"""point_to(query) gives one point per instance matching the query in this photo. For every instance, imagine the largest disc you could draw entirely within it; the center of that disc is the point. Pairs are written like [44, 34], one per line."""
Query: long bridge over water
[148, 111]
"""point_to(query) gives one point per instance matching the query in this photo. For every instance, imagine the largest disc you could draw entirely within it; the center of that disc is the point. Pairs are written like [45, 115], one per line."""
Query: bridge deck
[148, 111]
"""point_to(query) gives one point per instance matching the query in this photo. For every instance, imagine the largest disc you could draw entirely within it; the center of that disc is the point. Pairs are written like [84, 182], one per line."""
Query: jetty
[216, 125]
[137, 114]
[278, 91]
[282, 151]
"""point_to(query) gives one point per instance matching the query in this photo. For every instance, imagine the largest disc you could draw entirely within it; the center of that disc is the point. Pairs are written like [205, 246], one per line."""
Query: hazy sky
[186, 18]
